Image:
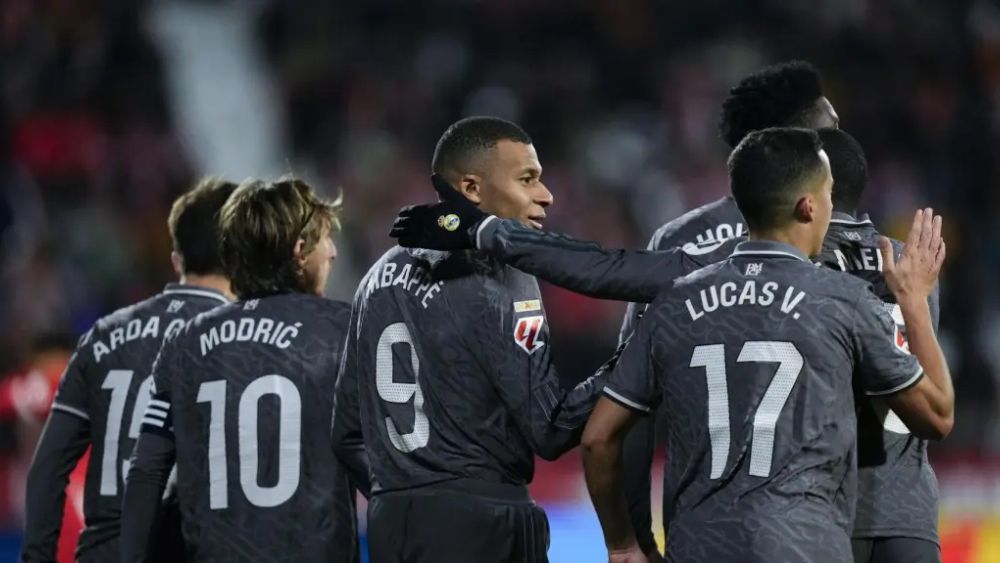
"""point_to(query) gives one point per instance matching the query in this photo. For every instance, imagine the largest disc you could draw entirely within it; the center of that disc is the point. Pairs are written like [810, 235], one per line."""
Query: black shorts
[895, 550]
[457, 521]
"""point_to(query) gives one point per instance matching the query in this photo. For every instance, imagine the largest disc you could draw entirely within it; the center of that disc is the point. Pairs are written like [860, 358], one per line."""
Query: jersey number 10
[289, 449]
[712, 357]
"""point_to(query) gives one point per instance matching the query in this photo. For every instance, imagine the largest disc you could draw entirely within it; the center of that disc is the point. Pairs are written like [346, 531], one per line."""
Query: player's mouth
[536, 221]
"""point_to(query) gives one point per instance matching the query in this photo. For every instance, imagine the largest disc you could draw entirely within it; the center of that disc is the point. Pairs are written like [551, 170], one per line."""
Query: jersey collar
[769, 248]
[848, 220]
[195, 290]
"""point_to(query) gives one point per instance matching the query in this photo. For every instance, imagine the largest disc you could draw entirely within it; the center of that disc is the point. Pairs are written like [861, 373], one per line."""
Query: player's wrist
[627, 544]
[913, 304]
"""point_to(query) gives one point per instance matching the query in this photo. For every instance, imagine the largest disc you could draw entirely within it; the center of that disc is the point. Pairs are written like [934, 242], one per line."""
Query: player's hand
[633, 554]
[915, 274]
[449, 224]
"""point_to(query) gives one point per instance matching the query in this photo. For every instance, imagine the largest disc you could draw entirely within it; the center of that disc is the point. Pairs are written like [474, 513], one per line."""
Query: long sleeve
[64, 440]
[348, 442]
[152, 461]
[637, 454]
[586, 267]
[511, 334]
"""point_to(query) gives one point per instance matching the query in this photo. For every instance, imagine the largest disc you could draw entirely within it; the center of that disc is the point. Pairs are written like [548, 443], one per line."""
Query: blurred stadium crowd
[108, 110]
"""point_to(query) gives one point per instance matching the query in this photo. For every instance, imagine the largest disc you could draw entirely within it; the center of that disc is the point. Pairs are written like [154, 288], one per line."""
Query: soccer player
[448, 361]
[105, 388]
[788, 94]
[243, 396]
[896, 515]
[754, 359]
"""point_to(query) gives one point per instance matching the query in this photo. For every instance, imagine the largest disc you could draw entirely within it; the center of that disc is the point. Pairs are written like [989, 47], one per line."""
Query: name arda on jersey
[249, 329]
[135, 329]
[410, 277]
[730, 294]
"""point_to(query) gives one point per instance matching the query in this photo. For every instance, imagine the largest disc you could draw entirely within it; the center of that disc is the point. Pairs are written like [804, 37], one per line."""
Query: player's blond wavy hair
[260, 225]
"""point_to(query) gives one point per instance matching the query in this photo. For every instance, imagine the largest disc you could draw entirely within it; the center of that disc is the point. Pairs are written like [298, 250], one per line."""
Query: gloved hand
[449, 224]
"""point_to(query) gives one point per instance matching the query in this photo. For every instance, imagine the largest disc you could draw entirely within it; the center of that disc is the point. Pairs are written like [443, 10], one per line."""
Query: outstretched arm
[581, 266]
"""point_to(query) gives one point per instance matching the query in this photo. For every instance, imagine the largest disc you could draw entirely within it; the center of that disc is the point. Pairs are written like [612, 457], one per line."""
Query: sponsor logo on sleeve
[529, 305]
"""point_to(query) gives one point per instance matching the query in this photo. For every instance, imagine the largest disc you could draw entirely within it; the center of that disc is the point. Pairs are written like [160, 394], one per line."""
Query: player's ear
[177, 262]
[471, 186]
[805, 208]
[298, 251]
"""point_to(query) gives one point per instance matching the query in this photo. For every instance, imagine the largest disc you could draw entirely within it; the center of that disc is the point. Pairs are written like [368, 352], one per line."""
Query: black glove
[450, 224]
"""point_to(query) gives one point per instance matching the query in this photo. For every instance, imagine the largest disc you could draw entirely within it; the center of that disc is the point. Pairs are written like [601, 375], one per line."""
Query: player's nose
[544, 196]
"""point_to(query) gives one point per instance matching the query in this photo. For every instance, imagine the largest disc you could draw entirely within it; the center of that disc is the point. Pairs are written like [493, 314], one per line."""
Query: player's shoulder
[123, 316]
[699, 225]
[335, 312]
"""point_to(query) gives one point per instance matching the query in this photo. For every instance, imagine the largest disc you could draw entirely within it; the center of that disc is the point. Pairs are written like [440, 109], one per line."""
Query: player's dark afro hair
[772, 97]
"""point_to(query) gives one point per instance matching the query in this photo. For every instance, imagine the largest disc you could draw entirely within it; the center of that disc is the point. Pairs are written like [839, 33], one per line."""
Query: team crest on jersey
[527, 331]
[754, 268]
[449, 222]
[175, 305]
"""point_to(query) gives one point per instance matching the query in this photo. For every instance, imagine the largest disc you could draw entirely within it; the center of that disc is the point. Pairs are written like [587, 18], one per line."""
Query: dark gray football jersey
[448, 360]
[246, 393]
[897, 488]
[710, 229]
[753, 359]
[714, 222]
[107, 384]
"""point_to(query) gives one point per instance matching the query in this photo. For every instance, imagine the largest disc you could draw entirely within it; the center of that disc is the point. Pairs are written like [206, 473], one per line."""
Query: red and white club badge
[527, 331]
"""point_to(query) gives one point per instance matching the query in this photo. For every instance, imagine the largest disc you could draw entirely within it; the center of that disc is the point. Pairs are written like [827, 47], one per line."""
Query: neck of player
[795, 235]
[209, 281]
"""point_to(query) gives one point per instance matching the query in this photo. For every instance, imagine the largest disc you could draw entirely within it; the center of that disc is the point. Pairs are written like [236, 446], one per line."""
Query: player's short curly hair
[260, 225]
[777, 96]
[194, 225]
[848, 165]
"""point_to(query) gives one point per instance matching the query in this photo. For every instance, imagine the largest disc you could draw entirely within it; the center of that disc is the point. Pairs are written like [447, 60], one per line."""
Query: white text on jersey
[249, 329]
[867, 259]
[411, 278]
[721, 233]
[730, 294]
[134, 330]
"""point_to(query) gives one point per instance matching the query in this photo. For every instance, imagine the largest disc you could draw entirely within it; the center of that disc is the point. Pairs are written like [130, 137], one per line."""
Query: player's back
[897, 488]
[107, 383]
[754, 357]
[428, 339]
[251, 400]
[717, 221]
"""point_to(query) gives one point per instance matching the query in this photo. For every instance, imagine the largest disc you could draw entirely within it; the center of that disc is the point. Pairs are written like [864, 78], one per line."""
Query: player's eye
[527, 180]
